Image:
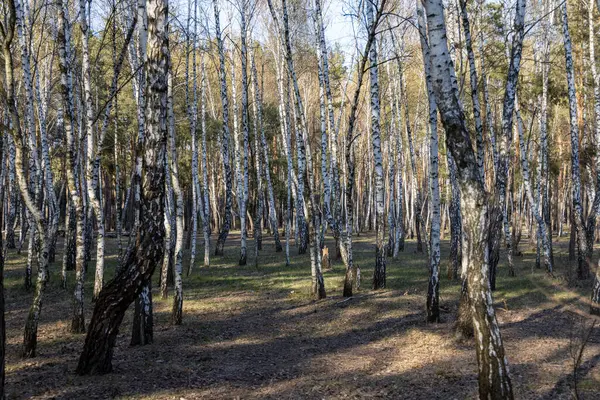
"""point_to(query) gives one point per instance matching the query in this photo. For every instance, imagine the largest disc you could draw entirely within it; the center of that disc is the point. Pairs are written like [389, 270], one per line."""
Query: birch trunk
[245, 124]
[224, 232]
[257, 226]
[193, 117]
[143, 324]
[92, 165]
[433, 291]
[258, 116]
[206, 210]
[43, 235]
[591, 224]
[400, 232]
[512, 79]
[336, 210]
[117, 295]
[474, 90]
[533, 200]
[352, 272]
[304, 156]
[494, 381]
[544, 181]
[177, 311]
[583, 268]
[379, 274]
[64, 43]
[284, 117]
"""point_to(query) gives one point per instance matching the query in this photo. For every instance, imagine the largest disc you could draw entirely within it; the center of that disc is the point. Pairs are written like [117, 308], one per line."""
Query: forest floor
[253, 332]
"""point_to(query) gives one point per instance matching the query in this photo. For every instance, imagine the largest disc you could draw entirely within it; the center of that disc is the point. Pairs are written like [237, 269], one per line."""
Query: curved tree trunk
[135, 274]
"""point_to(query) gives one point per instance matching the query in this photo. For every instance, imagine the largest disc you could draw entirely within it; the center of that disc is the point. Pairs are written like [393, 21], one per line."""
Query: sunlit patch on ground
[253, 332]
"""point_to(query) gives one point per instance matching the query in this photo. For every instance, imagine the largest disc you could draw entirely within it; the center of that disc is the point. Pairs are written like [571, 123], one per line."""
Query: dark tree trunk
[464, 320]
[494, 239]
[139, 263]
[142, 331]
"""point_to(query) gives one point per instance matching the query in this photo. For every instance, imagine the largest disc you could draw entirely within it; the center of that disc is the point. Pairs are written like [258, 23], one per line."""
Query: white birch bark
[474, 90]
[193, 118]
[224, 232]
[245, 115]
[433, 291]
[399, 234]
[64, 43]
[91, 168]
[258, 116]
[418, 198]
[177, 311]
[379, 274]
[533, 200]
[583, 269]
[504, 152]
[333, 127]
[284, 117]
[206, 209]
[595, 299]
[304, 156]
[494, 381]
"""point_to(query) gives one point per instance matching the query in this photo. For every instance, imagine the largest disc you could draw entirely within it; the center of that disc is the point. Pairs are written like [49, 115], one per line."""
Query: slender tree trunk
[433, 291]
[77, 322]
[504, 153]
[224, 232]
[379, 274]
[193, 117]
[284, 116]
[544, 180]
[583, 267]
[304, 158]
[92, 165]
[176, 314]
[336, 210]
[352, 272]
[258, 116]
[474, 89]
[43, 235]
[533, 200]
[591, 224]
[206, 203]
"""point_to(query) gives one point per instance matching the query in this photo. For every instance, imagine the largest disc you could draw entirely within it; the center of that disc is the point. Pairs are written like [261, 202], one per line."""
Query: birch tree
[494, 381]
[206, 209]
[304, 156]
[139, 264]
[583, 268]
[193, 118]
[171, 154]
[224, 232]
[433, 291]
[508, 107]
[258, 111]
[323, 56]
[379, 275]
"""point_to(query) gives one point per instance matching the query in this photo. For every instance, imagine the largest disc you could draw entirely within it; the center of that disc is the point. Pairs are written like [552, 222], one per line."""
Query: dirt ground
[253, 333]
